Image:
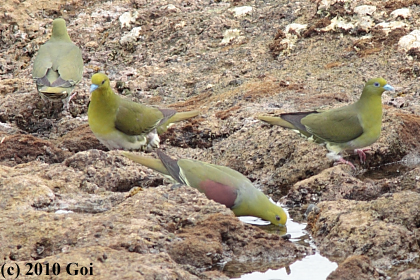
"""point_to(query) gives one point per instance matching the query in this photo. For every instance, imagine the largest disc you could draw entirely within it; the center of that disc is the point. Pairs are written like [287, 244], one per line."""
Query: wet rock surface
[388, 237]
[66, 198]
[355, 265]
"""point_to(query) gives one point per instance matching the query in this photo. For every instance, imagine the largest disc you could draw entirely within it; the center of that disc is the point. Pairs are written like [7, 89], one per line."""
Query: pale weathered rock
[295, 28]
[403, 13]
[131, 37]
[364, 10]
[365, 24]
[229, 35]
[387, 27]
[127, 18]
[241, 11]
[410, 41]
[411, 274]
[339, 24]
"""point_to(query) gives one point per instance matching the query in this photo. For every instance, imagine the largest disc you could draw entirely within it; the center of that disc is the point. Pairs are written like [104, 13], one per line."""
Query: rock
[410, 42]
[79, 139]
[295, 28]
[331, 184]
[355, 265]
[133, 226]
[285, 41]
[241, 11]
[338, 24]
[364, 10]
[344, 228]
[229, 35]
[365, 24]
[403, 13]
[411, 274]
[20, 148]
[131, 37]
[411, 160]
[59, 196]
[103, 262]
[127, 18]
[201, 246]
[387, 27]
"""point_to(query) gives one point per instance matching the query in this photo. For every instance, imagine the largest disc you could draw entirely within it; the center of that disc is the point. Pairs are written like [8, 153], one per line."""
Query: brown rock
[355, 267]
[411, 180]
[149, 223]
[103, 262]
[201, 246]
[20, 148]
[80, 139]
[336, 183]
[343, 228]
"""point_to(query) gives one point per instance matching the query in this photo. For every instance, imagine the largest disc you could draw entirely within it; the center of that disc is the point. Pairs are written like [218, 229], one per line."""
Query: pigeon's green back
[58, 66]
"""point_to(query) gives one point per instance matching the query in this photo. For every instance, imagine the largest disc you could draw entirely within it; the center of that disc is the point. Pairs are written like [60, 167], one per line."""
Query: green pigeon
[351, 127]
[119, 123]
[58, 66]
[219, 183]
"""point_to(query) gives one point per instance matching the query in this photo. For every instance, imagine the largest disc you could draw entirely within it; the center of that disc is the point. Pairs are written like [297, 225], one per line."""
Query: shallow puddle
[314, 267]
[392, 169]
[385, 171]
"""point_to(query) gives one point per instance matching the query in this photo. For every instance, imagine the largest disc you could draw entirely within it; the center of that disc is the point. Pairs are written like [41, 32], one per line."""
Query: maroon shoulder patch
[220, 193]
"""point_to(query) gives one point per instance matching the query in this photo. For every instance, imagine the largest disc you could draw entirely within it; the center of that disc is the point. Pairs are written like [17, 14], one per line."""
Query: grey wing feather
[296, 118]
[167, 113]
[171, 165]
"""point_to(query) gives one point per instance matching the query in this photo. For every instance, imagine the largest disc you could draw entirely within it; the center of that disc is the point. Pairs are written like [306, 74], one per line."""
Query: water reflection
[388, 171]
[314, 267]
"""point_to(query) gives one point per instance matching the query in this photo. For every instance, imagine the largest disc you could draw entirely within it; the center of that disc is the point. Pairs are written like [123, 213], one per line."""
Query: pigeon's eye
[277, 218]
[103, 82]
[376, 84]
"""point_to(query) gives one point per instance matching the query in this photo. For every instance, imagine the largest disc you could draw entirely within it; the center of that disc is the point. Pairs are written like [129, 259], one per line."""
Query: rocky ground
[232, 60]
